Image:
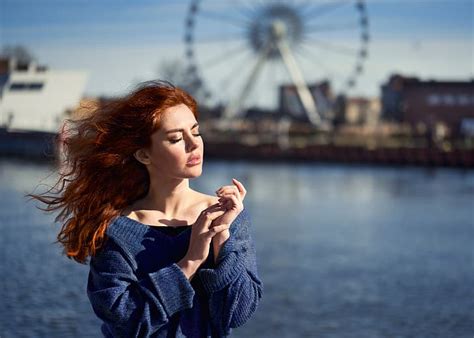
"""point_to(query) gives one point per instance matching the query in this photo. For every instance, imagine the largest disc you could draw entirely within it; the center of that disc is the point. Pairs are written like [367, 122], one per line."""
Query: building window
[463, 100]
[433, 100]
[35, 86]
[449, 99]
[41, 69]
[22, 67]
[20, 86]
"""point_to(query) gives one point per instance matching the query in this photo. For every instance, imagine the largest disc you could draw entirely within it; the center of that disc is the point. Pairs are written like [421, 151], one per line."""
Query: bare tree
[173, 71]
[176, 72]
[21, 53]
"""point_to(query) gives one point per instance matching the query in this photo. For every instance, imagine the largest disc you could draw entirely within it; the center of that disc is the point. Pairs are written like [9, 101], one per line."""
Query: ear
[142, 156]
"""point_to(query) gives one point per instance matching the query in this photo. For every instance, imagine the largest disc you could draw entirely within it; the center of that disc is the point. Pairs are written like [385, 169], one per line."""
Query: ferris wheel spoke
[227, 55]
[220, 39]
[303, 6]
[335, 48]
[246, 7]
[244, 10]
[224, 18]
[281, 72]
[237, 103]
[270, 74]
[229, 81]
[325, 8]
[312, 58]
[332, 27]
[231, 77]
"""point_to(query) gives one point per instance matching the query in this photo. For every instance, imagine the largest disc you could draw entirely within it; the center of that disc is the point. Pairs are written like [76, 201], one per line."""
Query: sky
[120, 43]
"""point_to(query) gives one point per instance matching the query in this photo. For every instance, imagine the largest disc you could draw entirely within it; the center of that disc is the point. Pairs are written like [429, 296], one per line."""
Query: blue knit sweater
[137, 289]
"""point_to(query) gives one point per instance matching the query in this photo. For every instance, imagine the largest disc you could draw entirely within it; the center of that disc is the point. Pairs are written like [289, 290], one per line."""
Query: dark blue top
[138, 290]
[170, 230]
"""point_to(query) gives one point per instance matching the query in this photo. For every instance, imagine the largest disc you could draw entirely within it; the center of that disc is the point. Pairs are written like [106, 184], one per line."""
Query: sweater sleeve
[131, 307]
[233, 286]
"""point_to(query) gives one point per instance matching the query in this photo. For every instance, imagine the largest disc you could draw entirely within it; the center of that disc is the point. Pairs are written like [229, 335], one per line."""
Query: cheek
[172, 154]
[163, 156]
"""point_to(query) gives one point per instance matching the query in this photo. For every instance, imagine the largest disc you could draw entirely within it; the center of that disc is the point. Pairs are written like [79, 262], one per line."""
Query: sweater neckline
[156, 228]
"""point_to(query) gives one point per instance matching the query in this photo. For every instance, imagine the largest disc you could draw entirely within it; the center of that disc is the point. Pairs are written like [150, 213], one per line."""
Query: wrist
[189, 267]
[218, 241]
[221, 237]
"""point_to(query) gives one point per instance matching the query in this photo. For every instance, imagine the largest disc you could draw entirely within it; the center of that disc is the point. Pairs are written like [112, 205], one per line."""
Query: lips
[194, 159]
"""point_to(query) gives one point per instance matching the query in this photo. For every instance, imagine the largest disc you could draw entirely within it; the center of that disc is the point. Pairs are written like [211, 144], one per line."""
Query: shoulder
[204, 200]
[126, 232]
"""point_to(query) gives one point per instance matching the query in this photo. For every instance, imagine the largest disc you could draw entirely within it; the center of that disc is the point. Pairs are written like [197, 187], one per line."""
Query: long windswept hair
[100, 176]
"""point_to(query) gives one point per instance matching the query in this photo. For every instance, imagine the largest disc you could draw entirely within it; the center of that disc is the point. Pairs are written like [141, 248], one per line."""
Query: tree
[21, 53]
[175, 72]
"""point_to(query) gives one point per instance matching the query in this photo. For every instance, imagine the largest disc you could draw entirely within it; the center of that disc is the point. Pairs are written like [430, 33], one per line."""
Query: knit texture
[136, 288]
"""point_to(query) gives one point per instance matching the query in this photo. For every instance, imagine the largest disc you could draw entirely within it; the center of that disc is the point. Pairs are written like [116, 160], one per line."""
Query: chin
[194, 171]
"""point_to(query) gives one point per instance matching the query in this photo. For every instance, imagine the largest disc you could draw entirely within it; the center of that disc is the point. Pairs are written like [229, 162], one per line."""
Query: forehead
[179, 116]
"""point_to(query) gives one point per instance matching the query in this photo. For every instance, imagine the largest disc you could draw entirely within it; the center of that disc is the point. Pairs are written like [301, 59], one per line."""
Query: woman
[166, 260]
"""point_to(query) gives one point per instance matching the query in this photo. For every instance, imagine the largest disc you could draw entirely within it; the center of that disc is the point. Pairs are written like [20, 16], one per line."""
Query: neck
[167, 195]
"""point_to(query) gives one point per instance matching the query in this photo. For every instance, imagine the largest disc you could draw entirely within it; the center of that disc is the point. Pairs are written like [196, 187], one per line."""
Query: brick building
[429, 103]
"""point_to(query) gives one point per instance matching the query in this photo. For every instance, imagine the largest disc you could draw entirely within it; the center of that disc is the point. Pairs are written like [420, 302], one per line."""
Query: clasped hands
[231, 198]
[212, 226]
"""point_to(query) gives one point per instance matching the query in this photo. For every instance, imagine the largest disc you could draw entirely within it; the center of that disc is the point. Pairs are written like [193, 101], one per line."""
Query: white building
[35, 98]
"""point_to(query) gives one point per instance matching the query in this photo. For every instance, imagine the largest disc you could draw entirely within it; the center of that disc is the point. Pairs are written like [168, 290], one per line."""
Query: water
[343, 252]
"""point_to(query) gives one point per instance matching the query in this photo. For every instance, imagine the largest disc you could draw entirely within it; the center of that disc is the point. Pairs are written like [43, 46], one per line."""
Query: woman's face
[174, 144]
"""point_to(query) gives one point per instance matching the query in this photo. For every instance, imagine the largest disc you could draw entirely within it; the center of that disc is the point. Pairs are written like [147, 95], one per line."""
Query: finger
[228, 189]
[216, 207]
[219, 228]
[209, 234]
[224, 187]
[225, 200]
[235, 201]
[237, 187]
[230, 192]
[211, 207]
[210, 215]
[240, 186]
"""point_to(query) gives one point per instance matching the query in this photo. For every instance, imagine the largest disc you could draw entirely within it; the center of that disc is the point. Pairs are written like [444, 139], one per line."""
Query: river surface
[343, 251]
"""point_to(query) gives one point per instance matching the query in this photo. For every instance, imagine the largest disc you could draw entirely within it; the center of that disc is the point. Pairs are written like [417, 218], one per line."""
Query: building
[35, 98]
[290, 103]
[429, 103]
[358, 110]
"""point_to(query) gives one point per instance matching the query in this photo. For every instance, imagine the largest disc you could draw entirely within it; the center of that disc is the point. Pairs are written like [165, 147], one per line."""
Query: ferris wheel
[239, 51]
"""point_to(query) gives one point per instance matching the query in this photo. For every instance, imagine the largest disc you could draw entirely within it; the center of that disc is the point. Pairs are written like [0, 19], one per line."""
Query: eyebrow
[175, 130]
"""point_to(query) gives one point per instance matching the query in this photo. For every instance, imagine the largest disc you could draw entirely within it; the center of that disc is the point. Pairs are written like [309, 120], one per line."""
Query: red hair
[102, 177]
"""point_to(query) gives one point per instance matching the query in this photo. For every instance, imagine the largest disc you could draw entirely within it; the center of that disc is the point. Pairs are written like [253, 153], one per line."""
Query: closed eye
[179, 139]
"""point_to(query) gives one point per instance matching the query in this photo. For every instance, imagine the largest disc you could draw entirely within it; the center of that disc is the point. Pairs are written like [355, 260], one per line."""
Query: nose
[191, 143]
